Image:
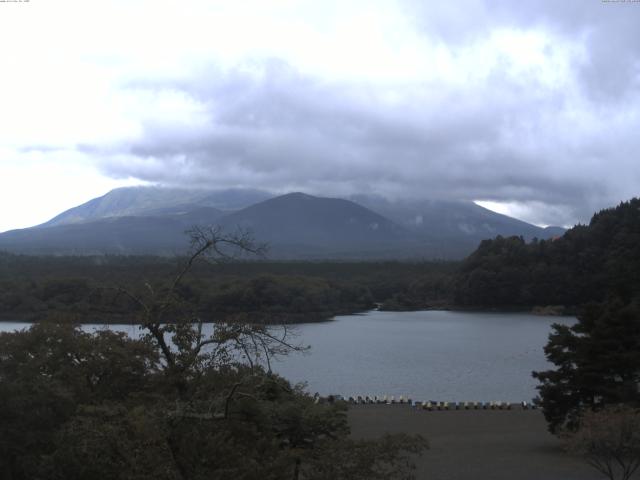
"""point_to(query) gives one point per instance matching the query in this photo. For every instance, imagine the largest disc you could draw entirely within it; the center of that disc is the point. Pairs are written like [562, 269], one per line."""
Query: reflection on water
[432, 355]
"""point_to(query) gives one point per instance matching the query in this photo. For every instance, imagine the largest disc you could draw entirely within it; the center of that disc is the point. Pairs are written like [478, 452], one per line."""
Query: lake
[426, 355]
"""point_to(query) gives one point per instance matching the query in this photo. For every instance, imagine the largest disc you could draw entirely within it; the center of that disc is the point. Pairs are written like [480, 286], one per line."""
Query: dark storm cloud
[563, 150]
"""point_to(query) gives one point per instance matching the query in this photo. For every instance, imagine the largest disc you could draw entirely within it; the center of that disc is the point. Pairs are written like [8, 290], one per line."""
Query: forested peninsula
[589, 263]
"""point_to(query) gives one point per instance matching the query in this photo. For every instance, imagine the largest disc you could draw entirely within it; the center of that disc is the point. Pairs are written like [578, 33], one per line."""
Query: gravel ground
[476, 444]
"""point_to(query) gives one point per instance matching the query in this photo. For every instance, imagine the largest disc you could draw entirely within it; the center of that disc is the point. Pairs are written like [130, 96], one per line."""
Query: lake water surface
[427, 355]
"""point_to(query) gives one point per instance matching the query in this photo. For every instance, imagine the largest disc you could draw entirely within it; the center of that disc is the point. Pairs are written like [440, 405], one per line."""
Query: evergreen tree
[597, 363]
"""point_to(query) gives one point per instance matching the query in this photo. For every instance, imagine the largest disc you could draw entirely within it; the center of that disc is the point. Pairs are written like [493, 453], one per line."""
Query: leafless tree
[174, 326]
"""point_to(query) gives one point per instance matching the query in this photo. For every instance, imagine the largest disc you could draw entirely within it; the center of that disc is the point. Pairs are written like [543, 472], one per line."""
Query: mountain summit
[298, 224]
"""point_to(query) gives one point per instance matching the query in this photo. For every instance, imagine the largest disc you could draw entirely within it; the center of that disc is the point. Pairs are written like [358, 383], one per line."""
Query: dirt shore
[476, 444]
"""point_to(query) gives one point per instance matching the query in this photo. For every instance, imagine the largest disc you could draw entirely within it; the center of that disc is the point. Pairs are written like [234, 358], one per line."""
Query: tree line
[82, 288]
[587, 264]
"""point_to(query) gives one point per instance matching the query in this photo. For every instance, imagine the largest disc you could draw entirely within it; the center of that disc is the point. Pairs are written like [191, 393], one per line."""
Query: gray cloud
[608, 30]
[561, 150]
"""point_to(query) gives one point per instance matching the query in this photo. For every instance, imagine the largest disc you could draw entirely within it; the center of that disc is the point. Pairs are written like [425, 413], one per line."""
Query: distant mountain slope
[235, 198]
[295, 225]
[152, 220]
[553, 232]
[155, 201]
[122, 235]
[455, 220]
[128, 201]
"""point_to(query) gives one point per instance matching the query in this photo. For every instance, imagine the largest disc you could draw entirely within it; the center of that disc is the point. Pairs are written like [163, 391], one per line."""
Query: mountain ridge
[297, 225]
[155, 201]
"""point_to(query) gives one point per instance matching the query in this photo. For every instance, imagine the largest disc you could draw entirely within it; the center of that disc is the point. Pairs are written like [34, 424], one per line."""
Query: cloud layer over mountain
[533, 105]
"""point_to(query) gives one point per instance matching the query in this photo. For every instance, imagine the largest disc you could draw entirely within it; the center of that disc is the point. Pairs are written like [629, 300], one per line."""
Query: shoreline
[311, 317]
[541, 310]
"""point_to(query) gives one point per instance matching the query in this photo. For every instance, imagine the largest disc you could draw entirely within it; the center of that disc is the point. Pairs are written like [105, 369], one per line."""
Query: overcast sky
[530, 107]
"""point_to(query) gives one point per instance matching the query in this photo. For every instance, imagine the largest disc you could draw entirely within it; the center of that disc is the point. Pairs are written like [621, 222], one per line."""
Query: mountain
[235, 198]
[297, 226]
[156, 201]
[457, 225]
[162, 235]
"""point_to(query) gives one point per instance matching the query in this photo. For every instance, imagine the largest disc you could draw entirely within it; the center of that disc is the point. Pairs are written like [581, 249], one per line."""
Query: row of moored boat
[427, 405]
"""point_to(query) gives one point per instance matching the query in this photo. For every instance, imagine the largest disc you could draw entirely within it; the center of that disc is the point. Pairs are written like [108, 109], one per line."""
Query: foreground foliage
[75, 405]
[174, 403]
